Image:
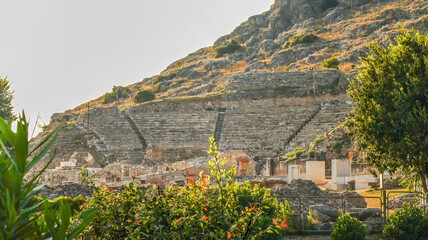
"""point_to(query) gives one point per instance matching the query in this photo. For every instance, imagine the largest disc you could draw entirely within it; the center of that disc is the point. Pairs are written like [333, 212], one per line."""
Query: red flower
[254, 207]
[229, 235]
[137, 221]
[205, 218]
[274, 221]
[206, 210]
[283, 224]
[191, 180]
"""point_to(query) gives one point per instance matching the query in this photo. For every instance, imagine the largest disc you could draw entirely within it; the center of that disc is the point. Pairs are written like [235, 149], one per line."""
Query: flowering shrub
[211, 207]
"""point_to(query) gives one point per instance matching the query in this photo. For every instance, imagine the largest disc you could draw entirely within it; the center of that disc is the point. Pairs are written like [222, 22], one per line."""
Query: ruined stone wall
[262, 128]
[299, 81]
[175, 135]
[116, 133]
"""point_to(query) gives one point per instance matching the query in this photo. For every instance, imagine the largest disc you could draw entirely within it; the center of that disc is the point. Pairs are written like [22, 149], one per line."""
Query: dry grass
[374, 202]
[346, 67]
[236, 67]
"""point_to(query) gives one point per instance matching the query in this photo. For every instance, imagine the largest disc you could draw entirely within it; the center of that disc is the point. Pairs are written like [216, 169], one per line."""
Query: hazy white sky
[61, 53]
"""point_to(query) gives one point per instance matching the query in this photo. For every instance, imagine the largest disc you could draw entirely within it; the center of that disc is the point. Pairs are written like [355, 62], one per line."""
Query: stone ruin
[305, 197]
[155, 142]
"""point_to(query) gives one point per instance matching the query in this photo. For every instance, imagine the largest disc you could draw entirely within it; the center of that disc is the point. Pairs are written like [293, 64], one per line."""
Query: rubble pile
[309, 194]
[69, 189]
[397, 202]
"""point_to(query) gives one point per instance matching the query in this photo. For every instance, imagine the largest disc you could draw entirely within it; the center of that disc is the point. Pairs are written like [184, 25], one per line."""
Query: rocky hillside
[302, 49]
[293, 35]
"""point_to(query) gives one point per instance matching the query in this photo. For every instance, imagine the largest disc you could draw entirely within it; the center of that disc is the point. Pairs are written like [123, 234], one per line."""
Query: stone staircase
[325, 120]
[219, 125]
[262, 128]
[136, 130]
[300, 128]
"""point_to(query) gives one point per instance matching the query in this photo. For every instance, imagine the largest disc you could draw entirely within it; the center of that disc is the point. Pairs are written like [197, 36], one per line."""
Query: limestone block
[294, 172]
[340, 168]
[315, 171]
[324, 213]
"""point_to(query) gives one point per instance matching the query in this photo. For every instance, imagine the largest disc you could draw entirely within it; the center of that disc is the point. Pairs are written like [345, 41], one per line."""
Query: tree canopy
[390, 121]
[6, 97]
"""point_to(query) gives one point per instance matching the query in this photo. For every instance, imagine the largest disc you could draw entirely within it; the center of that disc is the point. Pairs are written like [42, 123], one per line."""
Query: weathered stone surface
[267, 45]
[310, 194]
[334, 15]
[68, 189]
[352, 3]
[323, 213]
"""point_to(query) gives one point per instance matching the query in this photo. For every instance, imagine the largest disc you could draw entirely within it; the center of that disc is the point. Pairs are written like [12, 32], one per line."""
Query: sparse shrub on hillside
[299, 39]
[162, 78]
[118, 92]
[284, 68]
[407, 223]
[347, 227]
[144, 96]
[331, 63]
[231, 47]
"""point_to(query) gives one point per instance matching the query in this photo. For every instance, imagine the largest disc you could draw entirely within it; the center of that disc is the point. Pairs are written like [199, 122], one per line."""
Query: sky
[59, 54]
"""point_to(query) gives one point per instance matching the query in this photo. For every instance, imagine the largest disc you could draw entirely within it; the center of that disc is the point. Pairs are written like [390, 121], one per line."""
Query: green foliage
[348, 228]
[118, 92]
[331, 63]
[6, 97]
[407, 223]
[295, 153]
[144, 96]
[211, 207]
[391, 93]
[86, 178]
[20, 216]
[299, 39]
[231, 47]
[314, 144]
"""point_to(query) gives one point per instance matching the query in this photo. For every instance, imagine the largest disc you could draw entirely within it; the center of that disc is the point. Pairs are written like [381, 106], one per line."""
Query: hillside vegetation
[290, 36]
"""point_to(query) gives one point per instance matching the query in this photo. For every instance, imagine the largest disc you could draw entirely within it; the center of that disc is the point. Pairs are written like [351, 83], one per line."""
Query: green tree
[144, 96]
[390, 121]
[6, 96]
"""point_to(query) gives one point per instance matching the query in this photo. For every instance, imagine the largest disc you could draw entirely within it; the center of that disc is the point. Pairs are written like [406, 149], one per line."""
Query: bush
[210, 207]
[117, 92]
[331, 63]
[144, 96]
[348, 228]
[407, 223]
[21, 216]
[231, 47]
[299, 39]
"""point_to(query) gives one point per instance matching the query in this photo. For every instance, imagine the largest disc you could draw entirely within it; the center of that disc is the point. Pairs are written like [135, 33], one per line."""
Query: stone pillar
[315, 171]
[340, 168]
[293, 172]
[340, 172]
